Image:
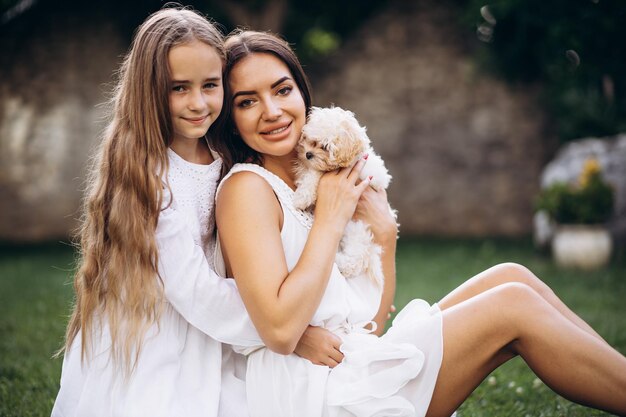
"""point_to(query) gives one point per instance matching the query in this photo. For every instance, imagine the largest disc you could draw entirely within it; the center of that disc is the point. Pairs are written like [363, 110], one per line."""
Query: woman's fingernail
[365, 156]
[370, 177]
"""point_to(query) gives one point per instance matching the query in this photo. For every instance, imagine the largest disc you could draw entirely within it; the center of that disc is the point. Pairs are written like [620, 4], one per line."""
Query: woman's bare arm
[249, 218]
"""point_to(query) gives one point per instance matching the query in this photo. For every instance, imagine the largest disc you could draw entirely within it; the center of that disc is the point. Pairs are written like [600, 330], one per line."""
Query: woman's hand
[320, 346]
[373, 209]
[338, 194]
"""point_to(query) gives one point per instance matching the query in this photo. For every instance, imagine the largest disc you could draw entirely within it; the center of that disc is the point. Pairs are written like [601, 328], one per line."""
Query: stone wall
[53, 78]
[465, 150]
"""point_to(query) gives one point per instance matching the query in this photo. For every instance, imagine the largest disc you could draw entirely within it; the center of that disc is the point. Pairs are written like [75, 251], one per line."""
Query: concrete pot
[582, 246]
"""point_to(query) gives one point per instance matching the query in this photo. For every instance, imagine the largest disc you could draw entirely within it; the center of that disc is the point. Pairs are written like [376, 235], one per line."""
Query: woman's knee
[516, 299]
[510, 272]
[516, 272]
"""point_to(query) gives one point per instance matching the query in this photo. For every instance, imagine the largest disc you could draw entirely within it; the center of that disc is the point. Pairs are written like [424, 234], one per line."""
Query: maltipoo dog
[332, 138]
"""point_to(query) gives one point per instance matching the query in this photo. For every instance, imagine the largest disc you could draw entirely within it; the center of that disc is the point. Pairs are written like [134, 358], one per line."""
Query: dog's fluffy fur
[332, 138]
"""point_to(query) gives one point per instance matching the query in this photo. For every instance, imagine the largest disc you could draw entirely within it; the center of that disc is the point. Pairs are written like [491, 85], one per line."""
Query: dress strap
[281, 189]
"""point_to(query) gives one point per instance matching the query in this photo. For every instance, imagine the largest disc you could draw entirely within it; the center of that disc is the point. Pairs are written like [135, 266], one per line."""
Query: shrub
[588, 201]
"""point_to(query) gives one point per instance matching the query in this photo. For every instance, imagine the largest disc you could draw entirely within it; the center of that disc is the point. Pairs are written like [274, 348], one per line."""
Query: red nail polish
[365, 156]
[370, 177]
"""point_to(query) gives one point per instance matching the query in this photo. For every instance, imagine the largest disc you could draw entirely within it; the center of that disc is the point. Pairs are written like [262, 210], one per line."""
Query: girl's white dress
[392, 375]
[179, 371]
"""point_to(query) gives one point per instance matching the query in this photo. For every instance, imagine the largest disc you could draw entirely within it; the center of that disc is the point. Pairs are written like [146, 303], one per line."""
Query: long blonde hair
[117, 280]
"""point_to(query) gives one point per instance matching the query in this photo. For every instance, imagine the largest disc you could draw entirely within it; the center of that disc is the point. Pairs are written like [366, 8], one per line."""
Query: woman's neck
[282, 166]
[194, 151]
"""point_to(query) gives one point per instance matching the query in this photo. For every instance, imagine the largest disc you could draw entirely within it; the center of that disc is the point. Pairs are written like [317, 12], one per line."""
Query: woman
[432, 357]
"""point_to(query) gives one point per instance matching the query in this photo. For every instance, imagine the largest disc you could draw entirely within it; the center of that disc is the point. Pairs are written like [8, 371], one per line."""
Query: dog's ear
[352, 129]
[348, 146]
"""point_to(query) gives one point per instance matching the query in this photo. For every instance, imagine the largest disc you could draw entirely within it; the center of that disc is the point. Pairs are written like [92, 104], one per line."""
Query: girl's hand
[320, 346]
[373, 209]
[338, 194]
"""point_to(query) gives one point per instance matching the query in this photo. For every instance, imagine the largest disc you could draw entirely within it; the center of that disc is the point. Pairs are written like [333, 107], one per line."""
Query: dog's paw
[302, 200]
[348, 265]
[380, 182]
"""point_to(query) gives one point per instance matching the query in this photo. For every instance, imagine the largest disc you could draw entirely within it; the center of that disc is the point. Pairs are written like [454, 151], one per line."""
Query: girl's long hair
[117, 281]
[238, 45]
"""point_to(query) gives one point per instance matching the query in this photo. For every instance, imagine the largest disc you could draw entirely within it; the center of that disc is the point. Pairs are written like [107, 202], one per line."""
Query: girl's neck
[194, 151]
[283, 167]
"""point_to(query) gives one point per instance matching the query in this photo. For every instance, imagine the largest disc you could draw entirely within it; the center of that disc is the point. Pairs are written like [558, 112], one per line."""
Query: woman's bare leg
[481, 333]
[512, 272]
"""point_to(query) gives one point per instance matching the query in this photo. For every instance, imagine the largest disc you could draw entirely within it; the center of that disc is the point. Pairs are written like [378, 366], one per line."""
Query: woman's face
[268, 109]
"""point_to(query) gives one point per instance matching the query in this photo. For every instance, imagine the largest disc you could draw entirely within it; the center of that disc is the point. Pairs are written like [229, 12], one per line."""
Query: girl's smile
[197, 120]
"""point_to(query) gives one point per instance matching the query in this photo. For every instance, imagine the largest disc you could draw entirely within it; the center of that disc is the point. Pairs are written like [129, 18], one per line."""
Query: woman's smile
[277, 132]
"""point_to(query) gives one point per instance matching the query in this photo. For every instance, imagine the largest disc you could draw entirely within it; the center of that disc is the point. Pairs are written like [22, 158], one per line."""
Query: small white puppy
[332, 138]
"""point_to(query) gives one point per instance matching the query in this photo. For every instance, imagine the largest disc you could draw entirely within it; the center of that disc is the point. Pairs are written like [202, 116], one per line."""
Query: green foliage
[315, 28]
[574, 49]
[318, 42]
[590, 201]
[331, 21]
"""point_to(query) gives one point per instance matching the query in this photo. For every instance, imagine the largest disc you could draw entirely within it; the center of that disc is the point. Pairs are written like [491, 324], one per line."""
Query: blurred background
[499, 121]
[466, 101]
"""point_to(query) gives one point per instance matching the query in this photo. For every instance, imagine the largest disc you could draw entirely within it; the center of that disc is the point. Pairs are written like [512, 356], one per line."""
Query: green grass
[35, 296]
[34, 305]
[429, 269]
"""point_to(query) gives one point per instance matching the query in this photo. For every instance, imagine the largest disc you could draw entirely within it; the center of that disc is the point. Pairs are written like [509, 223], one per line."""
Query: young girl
[144, 336]
[432, 357]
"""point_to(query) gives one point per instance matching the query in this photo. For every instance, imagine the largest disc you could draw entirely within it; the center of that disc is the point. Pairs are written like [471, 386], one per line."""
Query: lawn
[35, 295]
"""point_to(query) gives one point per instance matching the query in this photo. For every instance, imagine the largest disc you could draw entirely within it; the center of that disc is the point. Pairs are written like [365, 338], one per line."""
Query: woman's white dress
[392, 375]
[179, 371]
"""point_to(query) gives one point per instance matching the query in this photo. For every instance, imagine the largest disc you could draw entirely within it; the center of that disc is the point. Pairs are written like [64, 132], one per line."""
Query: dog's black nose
[309, 155]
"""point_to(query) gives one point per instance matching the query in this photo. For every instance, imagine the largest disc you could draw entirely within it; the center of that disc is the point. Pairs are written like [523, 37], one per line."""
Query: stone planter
[582, 246]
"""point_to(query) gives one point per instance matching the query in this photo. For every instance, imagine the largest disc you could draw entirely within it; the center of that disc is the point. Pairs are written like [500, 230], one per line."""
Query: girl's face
[196, 90]
[268, 109]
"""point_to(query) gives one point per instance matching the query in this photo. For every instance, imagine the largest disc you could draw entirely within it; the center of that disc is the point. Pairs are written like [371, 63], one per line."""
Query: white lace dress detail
[195, 187]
